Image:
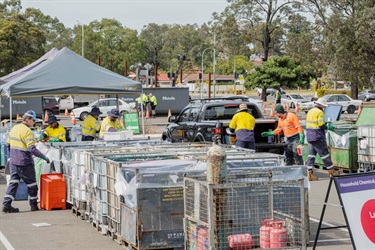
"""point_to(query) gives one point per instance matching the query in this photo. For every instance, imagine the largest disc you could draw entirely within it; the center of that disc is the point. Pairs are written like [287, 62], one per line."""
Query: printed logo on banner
[368, 219]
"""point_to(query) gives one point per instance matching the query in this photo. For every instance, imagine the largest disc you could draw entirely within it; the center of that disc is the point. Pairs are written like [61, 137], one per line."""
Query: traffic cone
[74, 121]
[297, 108]
[272, 114]
[287, 107]
[46, 116]
[66, 111]
[147, 113]
[18, 117]
[359, 109]
[169, 113]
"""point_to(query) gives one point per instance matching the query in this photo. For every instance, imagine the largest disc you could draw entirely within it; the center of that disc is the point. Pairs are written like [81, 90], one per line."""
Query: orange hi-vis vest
[289, 125]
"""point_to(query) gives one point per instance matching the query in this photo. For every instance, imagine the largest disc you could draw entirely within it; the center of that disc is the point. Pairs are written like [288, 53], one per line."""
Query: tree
[264, 17]
[57, 36]
[21, 43]
[349, 36]
[277, 72]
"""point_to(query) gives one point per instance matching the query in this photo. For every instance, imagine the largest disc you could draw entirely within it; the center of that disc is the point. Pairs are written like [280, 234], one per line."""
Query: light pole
[170, 72]
[214, 69]
[202, 71]
[83, 40]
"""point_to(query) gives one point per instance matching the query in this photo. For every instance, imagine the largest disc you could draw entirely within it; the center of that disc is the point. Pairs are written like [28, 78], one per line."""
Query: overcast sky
[133, 14]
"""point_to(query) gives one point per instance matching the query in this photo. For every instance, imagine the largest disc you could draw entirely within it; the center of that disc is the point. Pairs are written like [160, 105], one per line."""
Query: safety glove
[265, 134]
[46, 159]
[301, 139]
[330, 127]
[41, 137]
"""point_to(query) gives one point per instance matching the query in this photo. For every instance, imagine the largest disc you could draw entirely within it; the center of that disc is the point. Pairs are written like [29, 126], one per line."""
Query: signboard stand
[131, 121]
[356, 193]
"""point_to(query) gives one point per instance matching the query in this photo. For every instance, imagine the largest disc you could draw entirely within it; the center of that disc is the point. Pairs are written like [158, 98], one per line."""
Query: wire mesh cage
[229, 216]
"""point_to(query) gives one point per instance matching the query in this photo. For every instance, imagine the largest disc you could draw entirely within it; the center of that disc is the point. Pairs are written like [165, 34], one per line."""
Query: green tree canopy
[277, 72]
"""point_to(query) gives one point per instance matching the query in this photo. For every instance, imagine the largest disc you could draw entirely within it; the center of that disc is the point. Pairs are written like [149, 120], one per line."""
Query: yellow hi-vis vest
[21, 137]
[90, 126]
[107, 124]
[314, 119]
[55, 133]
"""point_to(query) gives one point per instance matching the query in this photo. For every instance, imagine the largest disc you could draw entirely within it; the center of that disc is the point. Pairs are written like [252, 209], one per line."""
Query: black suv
[202, 118]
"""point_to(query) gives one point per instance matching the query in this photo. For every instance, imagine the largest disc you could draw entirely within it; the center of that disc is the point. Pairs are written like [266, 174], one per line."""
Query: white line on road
[5, 242]
[329, 224]
[331, 240]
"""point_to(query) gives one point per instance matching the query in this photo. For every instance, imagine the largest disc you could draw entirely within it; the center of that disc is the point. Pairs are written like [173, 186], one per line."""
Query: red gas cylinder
[240, 241]
[278, 234]
[264, 233]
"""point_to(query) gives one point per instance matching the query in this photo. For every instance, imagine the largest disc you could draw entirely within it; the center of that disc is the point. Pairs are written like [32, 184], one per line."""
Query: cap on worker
[279, 109]
[32, 114]
[242, 107]
[52, 118]
[321, 101]
[114, 113]
[95, 111]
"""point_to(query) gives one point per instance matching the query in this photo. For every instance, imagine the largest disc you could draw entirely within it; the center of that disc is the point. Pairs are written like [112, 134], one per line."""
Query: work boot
[312, 177]
[10, 209]
[34, 208]
[333, 172]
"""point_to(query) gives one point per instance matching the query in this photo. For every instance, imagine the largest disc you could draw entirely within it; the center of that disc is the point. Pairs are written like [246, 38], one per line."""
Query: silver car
[367, 95]
[348, 104]
[104, 105]
[290, 100]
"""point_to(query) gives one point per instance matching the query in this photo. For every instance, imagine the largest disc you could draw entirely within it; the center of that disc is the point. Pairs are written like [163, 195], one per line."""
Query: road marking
[329, 225]
[5, 242]
[331, 240]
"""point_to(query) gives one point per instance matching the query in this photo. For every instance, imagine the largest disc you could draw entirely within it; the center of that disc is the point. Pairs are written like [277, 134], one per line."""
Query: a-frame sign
[357, 197]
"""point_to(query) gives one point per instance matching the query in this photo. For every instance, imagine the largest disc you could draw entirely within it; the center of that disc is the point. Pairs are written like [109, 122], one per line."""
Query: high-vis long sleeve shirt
[109, 126]
[21, 142]
[315, 125]
[90, 126]
[290, 125]
[58, 133]
[244, 124]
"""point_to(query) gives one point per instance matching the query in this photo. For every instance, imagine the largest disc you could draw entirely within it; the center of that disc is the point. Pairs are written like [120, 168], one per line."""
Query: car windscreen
[227, 111]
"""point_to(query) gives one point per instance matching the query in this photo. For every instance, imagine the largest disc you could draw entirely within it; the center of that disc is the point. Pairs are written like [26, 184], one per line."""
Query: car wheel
[83, 116]
[367, 100]
[351, 109]
[292, 106]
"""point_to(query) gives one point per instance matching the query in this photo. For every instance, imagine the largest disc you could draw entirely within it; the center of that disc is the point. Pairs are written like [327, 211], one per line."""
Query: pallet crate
[214, 212]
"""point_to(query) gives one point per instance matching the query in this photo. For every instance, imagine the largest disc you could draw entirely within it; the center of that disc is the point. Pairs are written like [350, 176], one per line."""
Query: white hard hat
[322, 102]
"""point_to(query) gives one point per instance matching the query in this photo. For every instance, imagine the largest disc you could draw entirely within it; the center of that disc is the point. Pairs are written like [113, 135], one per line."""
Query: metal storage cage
[214, 212]
[366, 148]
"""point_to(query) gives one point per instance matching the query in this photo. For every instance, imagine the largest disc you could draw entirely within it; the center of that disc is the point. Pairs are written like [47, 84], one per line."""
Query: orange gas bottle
[264, 233]
[52, 191]
[278, 234]
[240, 241]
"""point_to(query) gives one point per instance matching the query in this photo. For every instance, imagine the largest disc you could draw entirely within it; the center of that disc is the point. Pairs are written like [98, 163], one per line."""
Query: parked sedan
[291, 100]
[269, 91]
[348, 104]
[104, 105]
[367, 95]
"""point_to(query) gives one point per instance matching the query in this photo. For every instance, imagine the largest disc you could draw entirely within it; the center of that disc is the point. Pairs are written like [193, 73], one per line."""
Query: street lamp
[202, 71]
[83, 39]
[170, 72]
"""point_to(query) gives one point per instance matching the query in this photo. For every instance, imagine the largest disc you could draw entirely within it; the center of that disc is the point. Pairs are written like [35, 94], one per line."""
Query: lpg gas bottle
[278, 234]
[264, 233]
[240, 241]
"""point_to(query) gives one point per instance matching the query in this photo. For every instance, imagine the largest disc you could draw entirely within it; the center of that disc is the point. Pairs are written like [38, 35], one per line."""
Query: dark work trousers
[321, 148]
[245, 144]
[292, 157]
[27, 174]
[87, 138]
